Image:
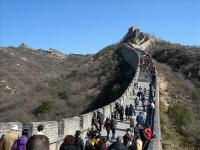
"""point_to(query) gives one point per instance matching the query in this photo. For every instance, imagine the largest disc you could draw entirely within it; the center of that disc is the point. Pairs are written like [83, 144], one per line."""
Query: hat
[14, 128]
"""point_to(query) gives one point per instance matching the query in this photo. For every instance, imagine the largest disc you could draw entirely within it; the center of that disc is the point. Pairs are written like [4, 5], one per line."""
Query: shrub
[180, 114]
[45, 107]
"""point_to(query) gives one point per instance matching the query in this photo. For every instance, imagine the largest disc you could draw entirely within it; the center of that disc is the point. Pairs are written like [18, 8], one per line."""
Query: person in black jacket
[113, 125]
[127, 112]
[131, 110]
[143, 135]
[121, 113]
[78, 141]
[100, 118]
[107, 125]
[118, 145]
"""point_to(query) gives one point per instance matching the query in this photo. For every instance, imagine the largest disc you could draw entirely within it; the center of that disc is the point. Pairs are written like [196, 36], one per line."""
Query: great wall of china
[56, 131]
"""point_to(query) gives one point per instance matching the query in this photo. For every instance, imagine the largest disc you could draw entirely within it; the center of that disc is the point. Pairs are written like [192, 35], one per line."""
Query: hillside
[48, 85]
[183, 59]
[179, 82]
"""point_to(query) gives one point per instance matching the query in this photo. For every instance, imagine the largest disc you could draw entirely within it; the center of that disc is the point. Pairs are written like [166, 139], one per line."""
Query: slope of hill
[48, 85]
[179, 110]
[179, 82]
[183, 59]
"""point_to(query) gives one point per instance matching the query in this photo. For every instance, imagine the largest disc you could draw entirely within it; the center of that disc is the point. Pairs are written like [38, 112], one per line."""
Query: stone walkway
[122, 126]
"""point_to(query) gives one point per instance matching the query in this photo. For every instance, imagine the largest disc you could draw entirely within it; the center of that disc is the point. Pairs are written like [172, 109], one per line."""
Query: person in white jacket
[40, 130]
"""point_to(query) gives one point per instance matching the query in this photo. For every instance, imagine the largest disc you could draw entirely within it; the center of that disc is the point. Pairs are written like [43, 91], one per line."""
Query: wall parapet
[155, 144]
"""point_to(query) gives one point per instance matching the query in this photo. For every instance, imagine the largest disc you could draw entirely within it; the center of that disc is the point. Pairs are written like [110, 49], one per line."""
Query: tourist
[117, 106]
[40, 129]
[68, 143]
[91, 132]
[144, 115]
[136, 102]
[107, 125]
[1, 141]
[20, 144]
[128, 138]
[145, 104]
[91, 143]
[78, 141]
[118, 145]
[98, 143]
[10, 138]
[132, 123]
[140, 119]
[113, 125]
[104, 143]
[152, 107]
[142, 134]
[121, 113]
[136, 129]
[38, 142]
[131, 110]
[149, 135]
[100, 118]
[127, 112]
[139, 143]
[95, 121]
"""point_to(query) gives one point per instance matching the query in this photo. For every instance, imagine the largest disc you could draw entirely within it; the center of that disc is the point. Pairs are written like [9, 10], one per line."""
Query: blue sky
[86, 26]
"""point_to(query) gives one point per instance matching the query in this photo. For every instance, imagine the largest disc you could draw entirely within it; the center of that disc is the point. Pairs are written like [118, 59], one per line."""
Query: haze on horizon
[86, 27]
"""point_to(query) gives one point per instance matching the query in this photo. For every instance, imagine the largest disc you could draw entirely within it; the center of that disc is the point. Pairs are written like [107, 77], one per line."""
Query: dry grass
[72, 86]
[179, 122]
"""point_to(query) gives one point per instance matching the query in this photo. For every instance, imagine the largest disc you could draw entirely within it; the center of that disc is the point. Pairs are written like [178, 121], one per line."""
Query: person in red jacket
[149, 135]
[148, 132]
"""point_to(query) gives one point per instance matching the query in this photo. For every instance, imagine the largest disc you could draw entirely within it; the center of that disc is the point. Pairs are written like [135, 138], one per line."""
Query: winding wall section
[55, 131]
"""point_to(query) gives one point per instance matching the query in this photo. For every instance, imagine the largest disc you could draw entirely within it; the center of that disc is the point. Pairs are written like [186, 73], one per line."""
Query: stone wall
[56, 131]
[130, 56]
[50, 129]
[142, 46]
[155, 144]
[70, 124]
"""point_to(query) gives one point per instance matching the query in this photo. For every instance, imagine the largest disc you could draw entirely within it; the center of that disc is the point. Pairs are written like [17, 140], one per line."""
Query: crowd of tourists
[13, 141]
[132, 140]
[137, 137]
